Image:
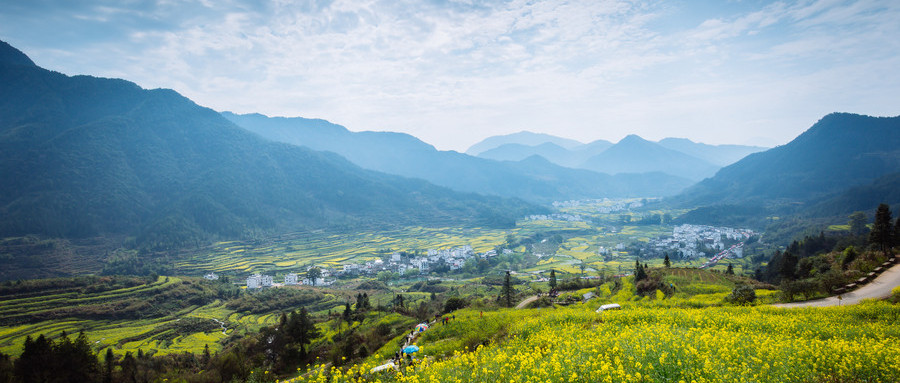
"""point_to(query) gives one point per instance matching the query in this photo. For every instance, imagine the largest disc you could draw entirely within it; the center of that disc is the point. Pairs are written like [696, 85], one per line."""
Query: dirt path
[877, 289]
[526, 301]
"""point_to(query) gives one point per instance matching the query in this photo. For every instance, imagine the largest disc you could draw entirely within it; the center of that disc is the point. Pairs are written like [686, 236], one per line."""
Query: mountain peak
[9, 55]
[632, 139]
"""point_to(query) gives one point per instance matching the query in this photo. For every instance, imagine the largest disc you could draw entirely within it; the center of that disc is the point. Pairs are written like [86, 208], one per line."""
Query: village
[401, 263]
[686, 242]
[693, 241]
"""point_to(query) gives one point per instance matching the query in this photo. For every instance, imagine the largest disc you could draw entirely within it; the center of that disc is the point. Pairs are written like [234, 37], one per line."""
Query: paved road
[525, 302]
[877, 289]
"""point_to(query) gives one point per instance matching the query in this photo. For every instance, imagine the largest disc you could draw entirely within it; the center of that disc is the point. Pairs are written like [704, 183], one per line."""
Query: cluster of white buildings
[258, 281]
[687, 241]
[454, 258]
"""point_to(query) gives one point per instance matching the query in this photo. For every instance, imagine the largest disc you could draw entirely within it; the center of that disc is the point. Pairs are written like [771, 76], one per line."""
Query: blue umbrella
[411, 349]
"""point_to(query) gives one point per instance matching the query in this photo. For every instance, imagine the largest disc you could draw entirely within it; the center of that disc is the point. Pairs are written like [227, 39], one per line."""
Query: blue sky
[454, 72]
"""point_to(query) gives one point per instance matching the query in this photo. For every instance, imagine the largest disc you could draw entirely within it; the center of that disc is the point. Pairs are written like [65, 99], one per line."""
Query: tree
[398, 300]
[729, 270]
[129, 368]
[882, 231]
[857, 223]
[582, 266]
[348, 312]
[552, 279]
[507, 290]
[788, 266]
[302, 330]
[313, 274]
[204, 359]
[667, 262]
[35, 363]
[897, 231]
[109, 363]
[422, 311]
[385, 276]
[639, 273]
[454, 303]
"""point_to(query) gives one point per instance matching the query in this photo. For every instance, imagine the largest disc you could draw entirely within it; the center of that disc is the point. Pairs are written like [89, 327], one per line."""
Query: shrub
[742, 295]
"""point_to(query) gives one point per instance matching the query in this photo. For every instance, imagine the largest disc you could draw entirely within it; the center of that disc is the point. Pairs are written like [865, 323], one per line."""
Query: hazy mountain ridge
[571, 158]
[719, 155]
[523, 138]
[402, 154]
[86, 156]
[634, 154]
[676, 156]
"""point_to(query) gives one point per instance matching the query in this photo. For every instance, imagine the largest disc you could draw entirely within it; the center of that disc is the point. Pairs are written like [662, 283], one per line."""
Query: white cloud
[455, 72]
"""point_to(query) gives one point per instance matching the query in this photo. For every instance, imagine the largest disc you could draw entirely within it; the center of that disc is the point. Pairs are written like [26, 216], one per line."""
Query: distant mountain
[522, 138]
[405, 155]
[839, 152]
[634, 154]
[719, 155]
[556, 154]
[576, 181]
[83, 156]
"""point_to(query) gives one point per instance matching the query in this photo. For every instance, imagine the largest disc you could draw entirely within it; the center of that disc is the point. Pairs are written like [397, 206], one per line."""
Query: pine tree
[729, 270]
[109, 364]
[507, 290]
[667, 262]
[882, 231]
[552, 279]
[639, 273]
[348, 312]
[205, 358]
[36, 362]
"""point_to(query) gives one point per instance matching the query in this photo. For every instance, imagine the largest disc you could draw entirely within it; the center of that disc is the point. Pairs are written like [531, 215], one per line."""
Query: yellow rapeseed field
[654, 343]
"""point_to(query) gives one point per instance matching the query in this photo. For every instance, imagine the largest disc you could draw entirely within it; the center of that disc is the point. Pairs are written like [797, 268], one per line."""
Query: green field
[184, 314]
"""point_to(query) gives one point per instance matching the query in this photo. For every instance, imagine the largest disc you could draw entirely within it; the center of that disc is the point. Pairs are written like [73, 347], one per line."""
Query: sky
[455, 72]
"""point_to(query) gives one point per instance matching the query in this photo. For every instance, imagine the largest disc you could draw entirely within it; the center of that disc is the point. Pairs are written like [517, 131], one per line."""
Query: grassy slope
[687, 337]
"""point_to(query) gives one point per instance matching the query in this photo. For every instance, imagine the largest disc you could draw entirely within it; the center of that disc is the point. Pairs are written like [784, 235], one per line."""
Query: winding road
[877, 289]
[526, 301]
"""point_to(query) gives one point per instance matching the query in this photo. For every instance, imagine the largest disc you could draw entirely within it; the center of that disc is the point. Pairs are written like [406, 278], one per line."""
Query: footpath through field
[879, 288]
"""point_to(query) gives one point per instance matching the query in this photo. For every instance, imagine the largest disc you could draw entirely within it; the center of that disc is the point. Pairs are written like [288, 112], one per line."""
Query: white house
[257, 281]
[211, 276]
[291, 279]
[254, 281]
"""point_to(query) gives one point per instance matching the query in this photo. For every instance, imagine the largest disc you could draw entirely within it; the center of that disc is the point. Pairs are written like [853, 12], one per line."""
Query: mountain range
[531, 178]
[83, 156]
[674, 156]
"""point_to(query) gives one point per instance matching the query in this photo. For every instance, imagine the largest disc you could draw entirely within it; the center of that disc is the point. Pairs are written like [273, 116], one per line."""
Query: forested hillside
[83, 156]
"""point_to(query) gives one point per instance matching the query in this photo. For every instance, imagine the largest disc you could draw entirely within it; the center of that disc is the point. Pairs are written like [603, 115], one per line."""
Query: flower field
[650, 343]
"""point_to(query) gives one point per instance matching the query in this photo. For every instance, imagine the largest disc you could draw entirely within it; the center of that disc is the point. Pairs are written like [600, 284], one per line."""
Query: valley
[146, 238]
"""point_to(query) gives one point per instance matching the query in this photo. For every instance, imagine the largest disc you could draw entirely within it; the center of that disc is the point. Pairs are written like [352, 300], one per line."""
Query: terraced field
[296, 251]
[167, 315]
